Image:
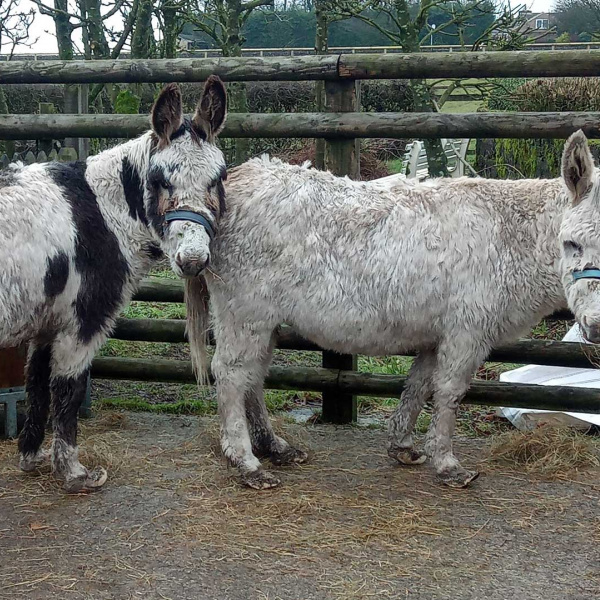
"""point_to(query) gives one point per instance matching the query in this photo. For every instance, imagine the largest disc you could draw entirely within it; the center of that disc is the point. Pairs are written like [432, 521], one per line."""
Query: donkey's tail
[196, 302]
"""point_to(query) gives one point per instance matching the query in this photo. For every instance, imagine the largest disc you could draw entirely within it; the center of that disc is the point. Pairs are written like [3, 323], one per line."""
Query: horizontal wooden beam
[541, 352]
[561, 63]
[320, 125]
[295, 68]
[159, 289]
[364, 384]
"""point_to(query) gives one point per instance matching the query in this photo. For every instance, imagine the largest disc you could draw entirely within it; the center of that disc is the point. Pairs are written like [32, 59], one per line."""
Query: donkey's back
[373, 268]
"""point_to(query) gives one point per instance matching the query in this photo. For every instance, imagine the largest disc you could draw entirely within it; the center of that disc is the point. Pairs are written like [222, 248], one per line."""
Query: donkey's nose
[591, 329]
[192, 267]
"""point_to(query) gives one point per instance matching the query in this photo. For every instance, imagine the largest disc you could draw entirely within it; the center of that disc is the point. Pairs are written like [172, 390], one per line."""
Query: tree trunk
[172, 29]
[95, 31]
[8, 147]
[437, 162]
[141, 41]
[321, 47]
[64, 30]
[410, 30]
[238, 97]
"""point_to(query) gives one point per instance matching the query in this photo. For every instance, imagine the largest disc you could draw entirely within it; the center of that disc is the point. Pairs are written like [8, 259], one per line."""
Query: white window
[541, 23]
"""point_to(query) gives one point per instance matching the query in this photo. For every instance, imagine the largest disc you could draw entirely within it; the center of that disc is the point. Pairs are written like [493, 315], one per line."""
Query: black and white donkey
[75, 241]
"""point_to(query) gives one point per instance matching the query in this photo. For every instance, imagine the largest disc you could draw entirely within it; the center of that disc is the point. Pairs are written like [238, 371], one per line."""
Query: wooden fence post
[46, 108]
[341, 158]
[76, 102]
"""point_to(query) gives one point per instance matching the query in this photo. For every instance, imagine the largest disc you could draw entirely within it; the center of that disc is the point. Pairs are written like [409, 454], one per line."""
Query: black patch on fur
[188, 126]
[68, 394]
[156, 181]
[57, 273]
[154, 251]
[7, 178]
[134, 192]
[98, 257]
[38, 396]
[217, 183]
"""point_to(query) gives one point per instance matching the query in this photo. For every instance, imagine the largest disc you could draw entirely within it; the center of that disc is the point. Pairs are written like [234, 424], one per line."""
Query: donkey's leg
[457, 360]
[264, 440]
[418, 390]
[71, 362]
[238, 367]
[38, 395]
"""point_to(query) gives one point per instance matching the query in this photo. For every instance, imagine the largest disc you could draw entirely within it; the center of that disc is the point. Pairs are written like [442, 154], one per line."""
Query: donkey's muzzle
[191, 267]
[590, 330]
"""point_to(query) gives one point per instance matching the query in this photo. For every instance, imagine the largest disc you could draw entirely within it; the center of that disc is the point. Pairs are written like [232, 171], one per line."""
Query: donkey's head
[185, 194]
[580, 236]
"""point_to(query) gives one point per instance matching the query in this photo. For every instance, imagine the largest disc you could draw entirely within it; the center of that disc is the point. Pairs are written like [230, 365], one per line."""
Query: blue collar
[194, 217]
[586, 274]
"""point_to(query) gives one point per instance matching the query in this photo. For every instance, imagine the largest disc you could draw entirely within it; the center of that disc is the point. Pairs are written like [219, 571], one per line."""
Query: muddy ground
[173, 523]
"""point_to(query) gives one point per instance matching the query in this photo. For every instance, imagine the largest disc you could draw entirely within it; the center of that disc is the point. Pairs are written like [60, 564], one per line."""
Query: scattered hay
[548, 450]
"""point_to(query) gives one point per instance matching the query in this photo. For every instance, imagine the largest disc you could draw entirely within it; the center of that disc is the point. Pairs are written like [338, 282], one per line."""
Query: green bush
[516, 158]
[127, 103]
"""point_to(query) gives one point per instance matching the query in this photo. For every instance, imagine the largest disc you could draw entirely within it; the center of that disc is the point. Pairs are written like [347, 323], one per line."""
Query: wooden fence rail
[317, 379]
[575, 63]
[348, 125]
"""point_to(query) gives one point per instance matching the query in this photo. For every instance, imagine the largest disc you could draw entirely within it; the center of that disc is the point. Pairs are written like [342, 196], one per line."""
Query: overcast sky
[46, 43]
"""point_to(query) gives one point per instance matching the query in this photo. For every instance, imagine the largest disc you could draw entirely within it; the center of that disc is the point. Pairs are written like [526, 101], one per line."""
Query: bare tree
[407, 24]
[15, 23]
[222, 21]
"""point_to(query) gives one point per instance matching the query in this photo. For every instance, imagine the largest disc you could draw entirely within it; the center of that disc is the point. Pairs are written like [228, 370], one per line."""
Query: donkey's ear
[577, 166]
[167, 114]
[212, 108]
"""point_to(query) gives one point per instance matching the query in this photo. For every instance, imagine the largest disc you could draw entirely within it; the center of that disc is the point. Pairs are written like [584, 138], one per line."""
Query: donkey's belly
[373, 335]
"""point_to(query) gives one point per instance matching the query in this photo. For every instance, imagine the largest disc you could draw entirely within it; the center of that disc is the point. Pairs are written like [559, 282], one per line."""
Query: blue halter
[586, 274]
[194, 217]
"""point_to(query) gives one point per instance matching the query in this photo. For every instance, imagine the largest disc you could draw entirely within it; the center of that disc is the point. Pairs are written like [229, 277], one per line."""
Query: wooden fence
[192, 52]
[340, 125]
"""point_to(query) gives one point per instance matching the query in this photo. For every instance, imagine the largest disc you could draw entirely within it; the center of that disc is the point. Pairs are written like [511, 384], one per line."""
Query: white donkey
[75, 240]
[450, 268]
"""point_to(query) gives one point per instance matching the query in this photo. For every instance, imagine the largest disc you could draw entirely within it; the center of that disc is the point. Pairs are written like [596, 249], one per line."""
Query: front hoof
[289, 456]
[260, 480]
[407, 456]
[457, 477]
[89, 482]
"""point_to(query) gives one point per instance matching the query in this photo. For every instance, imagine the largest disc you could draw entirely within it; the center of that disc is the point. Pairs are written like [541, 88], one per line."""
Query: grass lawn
[461, 106]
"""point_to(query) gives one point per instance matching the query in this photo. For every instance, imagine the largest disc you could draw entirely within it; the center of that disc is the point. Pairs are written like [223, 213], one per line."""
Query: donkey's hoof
[260, 480]
[88, 482]
[289, 456]
[32, 462]
[407, 456]
[457, 477]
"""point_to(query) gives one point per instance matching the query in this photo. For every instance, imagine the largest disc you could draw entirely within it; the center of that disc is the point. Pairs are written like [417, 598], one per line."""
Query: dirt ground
[173, 523]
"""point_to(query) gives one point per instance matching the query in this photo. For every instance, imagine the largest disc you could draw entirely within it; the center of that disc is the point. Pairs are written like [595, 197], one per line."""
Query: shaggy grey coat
[449, 268]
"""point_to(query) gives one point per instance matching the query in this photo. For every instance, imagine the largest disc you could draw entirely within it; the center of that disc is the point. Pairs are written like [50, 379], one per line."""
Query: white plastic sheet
[526, 418]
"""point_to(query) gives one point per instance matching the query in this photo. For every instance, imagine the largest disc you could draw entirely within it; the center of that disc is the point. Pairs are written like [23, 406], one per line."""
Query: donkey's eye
[572, 248]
